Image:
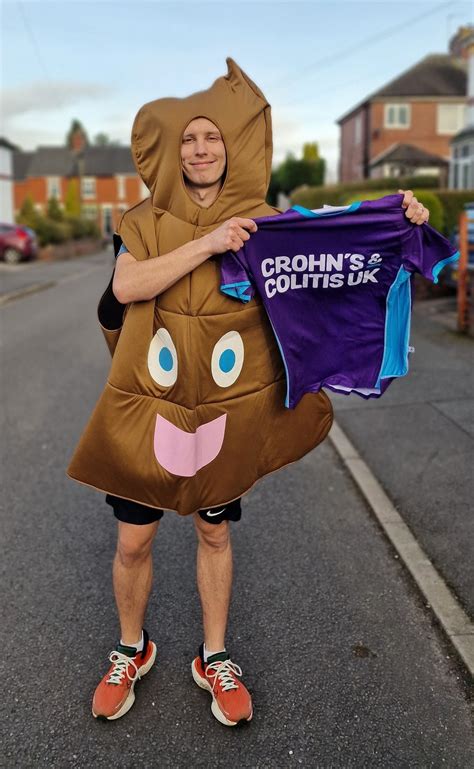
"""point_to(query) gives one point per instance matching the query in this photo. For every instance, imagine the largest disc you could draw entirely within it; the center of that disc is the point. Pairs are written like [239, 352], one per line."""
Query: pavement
[347, 666]
[418, 441]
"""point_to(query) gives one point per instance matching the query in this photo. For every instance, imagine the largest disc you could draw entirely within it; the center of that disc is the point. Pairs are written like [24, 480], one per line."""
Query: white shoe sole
[216, 711]
[131, 695]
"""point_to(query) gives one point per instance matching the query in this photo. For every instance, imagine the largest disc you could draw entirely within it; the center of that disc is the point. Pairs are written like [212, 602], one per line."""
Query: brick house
[406, 126]
[105, 175]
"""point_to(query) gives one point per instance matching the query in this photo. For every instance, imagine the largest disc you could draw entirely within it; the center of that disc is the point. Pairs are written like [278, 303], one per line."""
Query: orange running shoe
[231, 702]
[114, 695]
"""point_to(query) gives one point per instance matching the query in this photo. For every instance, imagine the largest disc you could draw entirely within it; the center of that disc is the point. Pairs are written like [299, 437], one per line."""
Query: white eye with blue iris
[162, 359]
[227, 359]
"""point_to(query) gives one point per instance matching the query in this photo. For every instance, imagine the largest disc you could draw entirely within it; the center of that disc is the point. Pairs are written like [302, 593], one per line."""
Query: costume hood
[193, 412]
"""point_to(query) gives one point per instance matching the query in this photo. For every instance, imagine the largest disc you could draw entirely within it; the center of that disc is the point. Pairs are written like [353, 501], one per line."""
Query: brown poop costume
[193, 414]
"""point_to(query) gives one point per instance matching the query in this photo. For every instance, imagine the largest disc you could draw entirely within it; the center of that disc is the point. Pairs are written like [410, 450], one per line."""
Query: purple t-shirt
[335, 283]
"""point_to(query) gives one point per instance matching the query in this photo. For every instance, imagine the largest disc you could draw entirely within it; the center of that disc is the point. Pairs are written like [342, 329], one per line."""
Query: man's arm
[135, 280]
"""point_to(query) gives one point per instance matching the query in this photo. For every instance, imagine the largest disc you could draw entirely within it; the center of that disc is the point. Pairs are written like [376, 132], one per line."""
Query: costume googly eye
[162, 359]
[227, 359]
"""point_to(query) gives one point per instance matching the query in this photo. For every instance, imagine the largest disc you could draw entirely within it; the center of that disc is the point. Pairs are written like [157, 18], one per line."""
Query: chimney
[78, 141]
[462, 42]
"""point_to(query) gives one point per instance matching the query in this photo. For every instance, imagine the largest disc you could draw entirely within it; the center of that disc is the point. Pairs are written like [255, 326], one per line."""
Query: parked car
[450, 276]
[17, 243]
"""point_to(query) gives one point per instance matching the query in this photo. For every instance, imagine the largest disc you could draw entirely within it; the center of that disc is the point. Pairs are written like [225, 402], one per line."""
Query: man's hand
[415, 211]
[231, 235]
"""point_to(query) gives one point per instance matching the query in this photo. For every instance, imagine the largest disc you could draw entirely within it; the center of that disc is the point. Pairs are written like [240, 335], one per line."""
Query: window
[465, 177]
[450, 118]
[88, 187]
[397, 116]
[121, 187]
[90, 212]
[358, 129]
[53, 185]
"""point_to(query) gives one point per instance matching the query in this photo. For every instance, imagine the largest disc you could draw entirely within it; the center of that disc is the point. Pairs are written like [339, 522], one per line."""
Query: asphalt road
[346, 665]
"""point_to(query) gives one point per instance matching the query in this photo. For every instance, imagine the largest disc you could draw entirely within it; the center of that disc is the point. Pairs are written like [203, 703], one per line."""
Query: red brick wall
[106, 192]
[421, 133]
[351, 154]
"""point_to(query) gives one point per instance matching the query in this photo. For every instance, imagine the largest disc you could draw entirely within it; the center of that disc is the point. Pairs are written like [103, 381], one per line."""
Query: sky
[100, 62]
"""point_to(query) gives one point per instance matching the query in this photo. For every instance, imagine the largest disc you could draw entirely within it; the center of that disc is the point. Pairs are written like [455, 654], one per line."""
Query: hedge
[444, 205]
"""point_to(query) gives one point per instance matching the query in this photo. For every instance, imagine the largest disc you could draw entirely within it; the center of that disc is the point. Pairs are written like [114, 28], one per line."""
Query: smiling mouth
[204, 163]
[183, 453]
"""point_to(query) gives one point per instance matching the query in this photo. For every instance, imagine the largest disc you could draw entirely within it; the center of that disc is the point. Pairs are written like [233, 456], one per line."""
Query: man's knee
[215, 536]
[134, 542]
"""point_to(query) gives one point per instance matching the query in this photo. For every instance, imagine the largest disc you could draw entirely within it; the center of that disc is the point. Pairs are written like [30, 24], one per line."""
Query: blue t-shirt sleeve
[119, 245]
[426, 251]
[235, 280]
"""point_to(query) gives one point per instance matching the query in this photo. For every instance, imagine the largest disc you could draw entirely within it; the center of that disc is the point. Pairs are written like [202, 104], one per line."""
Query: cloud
[43, 96]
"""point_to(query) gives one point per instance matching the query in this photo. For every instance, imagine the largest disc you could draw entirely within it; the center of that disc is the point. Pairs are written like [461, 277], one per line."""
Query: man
[204, 166]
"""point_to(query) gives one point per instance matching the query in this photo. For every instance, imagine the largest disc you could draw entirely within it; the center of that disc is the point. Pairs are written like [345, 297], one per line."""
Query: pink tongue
[183, 453]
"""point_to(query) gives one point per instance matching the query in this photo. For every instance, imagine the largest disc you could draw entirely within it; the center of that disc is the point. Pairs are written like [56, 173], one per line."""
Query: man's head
[203, 156]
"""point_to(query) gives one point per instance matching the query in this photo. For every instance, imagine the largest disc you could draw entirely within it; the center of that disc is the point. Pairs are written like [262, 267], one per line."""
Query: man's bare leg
[132, 576]
[214, 579]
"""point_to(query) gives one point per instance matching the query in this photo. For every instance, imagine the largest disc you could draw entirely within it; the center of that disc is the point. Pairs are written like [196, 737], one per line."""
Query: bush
[49, 231]
[429, 199]
[315, 197]
[28, 215]
[453, 202]
[56, 226]
[54, 210]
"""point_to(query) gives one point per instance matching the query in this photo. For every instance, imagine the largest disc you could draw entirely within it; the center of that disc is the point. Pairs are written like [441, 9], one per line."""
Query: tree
[309, 169]
[293, 173]
[102, 140]
[28, 215]
[54, 210]
[311, 152]
[72, 203]
[76, 127]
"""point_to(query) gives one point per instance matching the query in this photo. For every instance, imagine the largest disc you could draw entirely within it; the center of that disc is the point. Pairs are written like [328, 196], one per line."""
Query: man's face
[203, 155]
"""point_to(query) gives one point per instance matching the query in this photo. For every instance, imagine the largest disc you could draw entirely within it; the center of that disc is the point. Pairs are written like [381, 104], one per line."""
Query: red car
[17, 243]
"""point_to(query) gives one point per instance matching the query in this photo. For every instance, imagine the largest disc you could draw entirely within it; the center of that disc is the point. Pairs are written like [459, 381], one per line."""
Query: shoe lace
[224, 672]
[121, 662]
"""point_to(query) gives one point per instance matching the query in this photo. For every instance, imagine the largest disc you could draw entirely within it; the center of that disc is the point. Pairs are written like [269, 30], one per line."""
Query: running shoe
[115, 694]
[231, 702]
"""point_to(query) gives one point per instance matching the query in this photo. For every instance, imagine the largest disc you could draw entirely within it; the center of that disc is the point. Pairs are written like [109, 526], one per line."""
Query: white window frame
[121, 187]
[396, 122]
[443, 116]
[358, 128]
[53, 187]
[88, 187]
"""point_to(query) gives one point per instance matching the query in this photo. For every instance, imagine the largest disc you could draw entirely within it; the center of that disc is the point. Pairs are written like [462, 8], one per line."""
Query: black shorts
[133, 512]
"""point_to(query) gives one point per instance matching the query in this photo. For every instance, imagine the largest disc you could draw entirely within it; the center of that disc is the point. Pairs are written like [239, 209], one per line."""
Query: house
[105, 176]
[406, 126]
[6, 181]
[461, 169]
